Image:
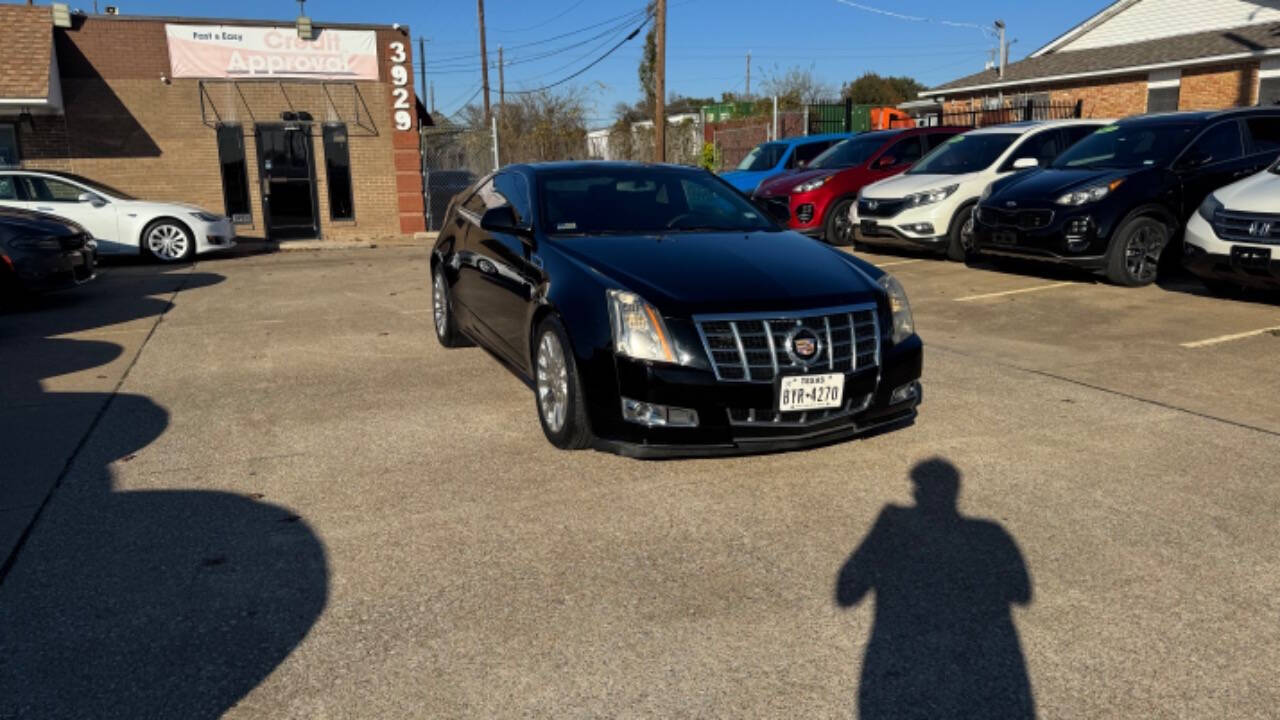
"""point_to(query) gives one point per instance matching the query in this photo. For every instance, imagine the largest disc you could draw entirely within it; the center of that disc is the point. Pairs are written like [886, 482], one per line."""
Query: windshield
[848, 153]
[642, 200]
[964, 154]
[763, 157]
[98, 187]
[1124, 147]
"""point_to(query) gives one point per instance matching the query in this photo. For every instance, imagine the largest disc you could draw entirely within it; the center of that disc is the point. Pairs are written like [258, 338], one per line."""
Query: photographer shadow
[943, 644]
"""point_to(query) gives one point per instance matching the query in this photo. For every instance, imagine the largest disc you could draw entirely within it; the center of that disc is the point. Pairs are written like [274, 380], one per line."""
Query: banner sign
[248, 52]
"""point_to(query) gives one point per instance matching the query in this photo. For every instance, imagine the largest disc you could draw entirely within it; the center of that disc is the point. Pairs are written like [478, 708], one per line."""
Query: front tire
[169, 241]
[838, 229]
[1134, 257]
[442, 311]
[561, 402]
[960, 235]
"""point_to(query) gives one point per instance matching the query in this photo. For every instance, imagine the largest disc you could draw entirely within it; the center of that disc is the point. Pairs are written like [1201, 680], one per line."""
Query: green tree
[649, 60]
[875, 89]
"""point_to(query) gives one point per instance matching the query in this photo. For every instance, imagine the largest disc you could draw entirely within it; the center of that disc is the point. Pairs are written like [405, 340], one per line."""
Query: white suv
[928, 205]
[1234, 238]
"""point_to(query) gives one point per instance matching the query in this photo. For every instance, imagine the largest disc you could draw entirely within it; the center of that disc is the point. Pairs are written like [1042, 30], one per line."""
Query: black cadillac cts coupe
[657, 312]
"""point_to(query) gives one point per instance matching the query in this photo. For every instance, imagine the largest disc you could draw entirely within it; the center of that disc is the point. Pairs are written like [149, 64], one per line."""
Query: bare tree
[795, 87]
[540, 126]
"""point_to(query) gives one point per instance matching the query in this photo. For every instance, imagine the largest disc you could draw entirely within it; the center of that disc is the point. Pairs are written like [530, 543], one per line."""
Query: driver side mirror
[88, 197]
[503, 220]
[886, 161]
[1025, 163]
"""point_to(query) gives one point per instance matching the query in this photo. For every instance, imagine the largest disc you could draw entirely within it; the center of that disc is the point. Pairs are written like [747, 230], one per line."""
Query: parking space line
[1229, 338]
[899, 262]
[1002, 293]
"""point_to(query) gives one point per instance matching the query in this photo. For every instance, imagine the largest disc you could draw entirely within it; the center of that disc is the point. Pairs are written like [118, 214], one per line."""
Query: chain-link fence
[452, 159]
[636, 143]
[733, 144]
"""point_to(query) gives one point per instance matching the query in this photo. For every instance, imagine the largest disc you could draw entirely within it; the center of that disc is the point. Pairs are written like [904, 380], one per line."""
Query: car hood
[25, 222]
[150, 206]
[1255, 194]
[900, 186]
[725, 272]
[782, 184]
[1047, 184]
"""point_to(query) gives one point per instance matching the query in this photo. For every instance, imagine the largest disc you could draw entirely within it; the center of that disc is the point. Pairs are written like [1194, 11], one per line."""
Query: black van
[1114, 201]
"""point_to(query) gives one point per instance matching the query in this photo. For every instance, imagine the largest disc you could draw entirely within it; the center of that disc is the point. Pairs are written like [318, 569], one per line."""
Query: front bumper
[806, 213]
[219, 235]
[732, 415]
[1208, 256]
[1057, 241]
[893, 231]
[47, 272]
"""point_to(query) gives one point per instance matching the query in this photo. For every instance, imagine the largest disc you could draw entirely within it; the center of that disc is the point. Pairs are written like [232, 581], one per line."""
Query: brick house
[1139, 56]
[290, 138]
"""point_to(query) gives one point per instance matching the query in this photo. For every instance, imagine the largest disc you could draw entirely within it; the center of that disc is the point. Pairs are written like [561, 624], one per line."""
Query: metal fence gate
[452, 159]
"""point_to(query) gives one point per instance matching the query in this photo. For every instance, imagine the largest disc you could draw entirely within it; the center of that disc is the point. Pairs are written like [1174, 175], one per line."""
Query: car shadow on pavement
[943, 644]
[129, 603]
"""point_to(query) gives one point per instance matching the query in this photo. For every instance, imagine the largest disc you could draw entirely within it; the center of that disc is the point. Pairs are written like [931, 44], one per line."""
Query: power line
[548, 21]
[592, 64]
[625, 18]
[457, 68]
[572, 62]
[914, 18]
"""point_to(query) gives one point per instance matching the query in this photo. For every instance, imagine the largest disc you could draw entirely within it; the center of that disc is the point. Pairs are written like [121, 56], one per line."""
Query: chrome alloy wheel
[553, 382]
[843, 225]
[966, 233]
[440, 303]
[1142, 254]
[168, 242]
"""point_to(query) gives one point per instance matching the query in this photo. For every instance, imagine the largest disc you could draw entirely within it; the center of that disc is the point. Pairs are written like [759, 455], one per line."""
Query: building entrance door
[287, 172]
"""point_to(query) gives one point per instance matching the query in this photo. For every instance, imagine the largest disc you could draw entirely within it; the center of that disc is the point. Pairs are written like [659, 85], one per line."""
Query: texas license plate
[798, 393]
[868, 227]
[1004, 237]
[1250, 257]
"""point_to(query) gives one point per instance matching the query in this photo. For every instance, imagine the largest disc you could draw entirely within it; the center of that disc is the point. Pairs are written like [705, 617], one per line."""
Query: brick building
[1138, 56]
[291, 138]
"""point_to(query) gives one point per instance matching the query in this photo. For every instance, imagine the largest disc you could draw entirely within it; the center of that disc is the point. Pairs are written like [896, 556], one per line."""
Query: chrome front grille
[768, 417]
[1023, 219]
[756, 347]
[1247, 227]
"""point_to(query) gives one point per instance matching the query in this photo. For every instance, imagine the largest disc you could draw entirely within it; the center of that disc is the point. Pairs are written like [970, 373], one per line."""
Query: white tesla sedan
[122, 225]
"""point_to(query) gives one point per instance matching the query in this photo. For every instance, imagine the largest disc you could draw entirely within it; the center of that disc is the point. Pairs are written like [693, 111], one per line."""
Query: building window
[8, 146]
[1269, 83]
[1162, 90]
[235, 178]
[337, 166]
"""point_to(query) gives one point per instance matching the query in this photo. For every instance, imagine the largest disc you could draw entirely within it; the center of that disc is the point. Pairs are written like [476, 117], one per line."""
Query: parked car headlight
[813, 184]
[206, 216]
[1093, 193]
[35, 243]
[904, 325]
[638, 330]
[930, 197]
[1209, 207]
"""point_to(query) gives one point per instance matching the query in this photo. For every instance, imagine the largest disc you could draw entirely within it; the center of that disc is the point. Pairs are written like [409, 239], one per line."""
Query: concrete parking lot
[264, 490]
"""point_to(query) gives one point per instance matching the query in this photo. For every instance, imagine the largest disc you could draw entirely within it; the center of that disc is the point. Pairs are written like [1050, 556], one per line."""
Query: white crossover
[929, 205]
[1234, 238]
[121, 224]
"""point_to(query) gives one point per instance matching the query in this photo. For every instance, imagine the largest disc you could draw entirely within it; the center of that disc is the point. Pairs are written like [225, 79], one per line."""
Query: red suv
[816, 200]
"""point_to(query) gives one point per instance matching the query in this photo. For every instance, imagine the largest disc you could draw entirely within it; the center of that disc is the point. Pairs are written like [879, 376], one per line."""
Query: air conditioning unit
[112, 10]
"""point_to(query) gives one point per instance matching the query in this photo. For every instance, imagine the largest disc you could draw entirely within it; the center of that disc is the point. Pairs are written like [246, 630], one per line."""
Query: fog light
[804, 213]
[910, 391]
[654, 415]
[920, 228]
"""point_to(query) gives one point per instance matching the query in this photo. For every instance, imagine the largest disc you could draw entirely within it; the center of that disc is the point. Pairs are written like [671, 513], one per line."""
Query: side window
[8, 188]
[1264, 134]
[907, 151]
[1219, 143]
[806, 153]
[49, 190]
[515, 191]
[8, 146]
[1043, 146]
[476, 203]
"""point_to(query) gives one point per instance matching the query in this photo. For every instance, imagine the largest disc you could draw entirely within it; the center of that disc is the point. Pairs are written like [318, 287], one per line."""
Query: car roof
[1026, 126]
[1200, 116]
[551, 166]
[801, 139]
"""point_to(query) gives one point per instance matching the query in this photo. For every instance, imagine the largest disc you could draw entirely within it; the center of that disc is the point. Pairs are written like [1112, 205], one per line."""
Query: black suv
[1115, 200]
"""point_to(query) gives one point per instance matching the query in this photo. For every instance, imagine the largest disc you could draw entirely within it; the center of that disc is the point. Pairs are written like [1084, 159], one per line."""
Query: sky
[707, 40]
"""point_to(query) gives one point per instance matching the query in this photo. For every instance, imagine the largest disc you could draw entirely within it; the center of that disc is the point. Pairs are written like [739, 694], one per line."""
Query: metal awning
[255, 101]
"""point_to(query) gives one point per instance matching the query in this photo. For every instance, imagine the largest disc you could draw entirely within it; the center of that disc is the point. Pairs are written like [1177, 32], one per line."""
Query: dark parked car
[40, 252]
[1115, 201]
[657, 312]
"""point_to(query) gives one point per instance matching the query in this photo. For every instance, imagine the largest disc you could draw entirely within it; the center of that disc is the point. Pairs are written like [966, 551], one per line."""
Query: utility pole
[422, 68]
[1004, 49]
[502, 83]
[484, 62]
[433, 97]
[748, 74]
[660, 85]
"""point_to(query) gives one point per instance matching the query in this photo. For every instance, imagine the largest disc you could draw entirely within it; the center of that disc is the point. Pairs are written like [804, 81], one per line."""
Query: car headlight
[904, 325]
[206, 216]
[1093, 193]
[813, 184]
[930, 197]
[1209, 207]
[35, 243]
[638, 330]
